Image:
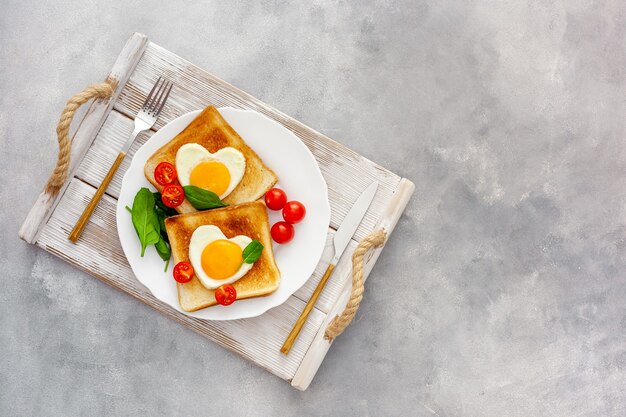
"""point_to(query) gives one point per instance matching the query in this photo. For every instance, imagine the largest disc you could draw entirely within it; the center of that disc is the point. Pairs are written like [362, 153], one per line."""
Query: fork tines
[158, 96]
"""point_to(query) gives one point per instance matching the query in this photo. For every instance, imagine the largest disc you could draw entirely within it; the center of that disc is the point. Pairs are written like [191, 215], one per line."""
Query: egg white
[200, 238]
[191, 154]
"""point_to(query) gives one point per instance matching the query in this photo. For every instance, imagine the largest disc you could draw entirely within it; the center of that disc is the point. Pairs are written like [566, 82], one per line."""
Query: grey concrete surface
[503, 289]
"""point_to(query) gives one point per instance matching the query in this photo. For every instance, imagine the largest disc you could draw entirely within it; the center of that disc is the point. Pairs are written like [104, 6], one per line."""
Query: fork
[145, 119]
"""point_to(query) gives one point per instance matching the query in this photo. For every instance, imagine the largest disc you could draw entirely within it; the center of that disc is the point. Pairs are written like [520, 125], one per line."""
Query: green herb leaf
[162, 211]
[167, 263]
[252, 252]
[144, 219]
[202, 199]
[163, 249]
[161, 215]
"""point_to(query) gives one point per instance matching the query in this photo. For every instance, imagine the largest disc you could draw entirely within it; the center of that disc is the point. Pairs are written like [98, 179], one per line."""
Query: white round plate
[300, 177]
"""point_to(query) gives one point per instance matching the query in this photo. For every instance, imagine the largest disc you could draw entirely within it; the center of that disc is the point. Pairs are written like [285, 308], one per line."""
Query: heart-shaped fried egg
[219, 172]
[217, 260]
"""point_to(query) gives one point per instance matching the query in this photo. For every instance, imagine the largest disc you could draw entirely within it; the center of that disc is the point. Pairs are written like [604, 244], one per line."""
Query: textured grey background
[503, 289]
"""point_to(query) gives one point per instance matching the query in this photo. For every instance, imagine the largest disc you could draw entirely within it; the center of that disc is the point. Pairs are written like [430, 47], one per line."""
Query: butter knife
[340, 243]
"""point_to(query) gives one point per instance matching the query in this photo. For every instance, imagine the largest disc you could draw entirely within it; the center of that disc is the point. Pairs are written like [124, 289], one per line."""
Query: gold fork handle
[293, 335]
[84, 218]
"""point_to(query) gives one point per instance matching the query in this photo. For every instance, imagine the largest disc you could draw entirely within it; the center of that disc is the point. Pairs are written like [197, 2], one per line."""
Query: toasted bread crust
[210, 130]
[249, 219]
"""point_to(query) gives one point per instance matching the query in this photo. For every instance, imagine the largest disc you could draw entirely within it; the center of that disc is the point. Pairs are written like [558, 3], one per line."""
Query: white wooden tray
[96, 143]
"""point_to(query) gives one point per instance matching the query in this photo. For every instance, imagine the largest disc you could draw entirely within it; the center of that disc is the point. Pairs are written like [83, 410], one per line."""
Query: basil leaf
[169, 211]
[144, 219]
[202, 199]
[161, 215]
[163, 249]
[155, 221]
[252, 252]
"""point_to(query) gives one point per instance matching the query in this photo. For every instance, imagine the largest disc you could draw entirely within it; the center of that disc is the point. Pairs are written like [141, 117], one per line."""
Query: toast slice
[210, 130]
[249, 219]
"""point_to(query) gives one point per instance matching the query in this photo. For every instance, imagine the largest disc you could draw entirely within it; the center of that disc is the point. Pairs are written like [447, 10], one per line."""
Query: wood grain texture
[320, 345]
[99, 253]
[86, 132]
[346, 172]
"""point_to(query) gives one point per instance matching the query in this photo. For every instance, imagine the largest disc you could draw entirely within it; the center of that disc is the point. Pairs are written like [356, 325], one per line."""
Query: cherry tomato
[226, 294]
[173, 195]
[275, 198]
[282, 232]
[183, 272]
[165, 173]
[294, 212]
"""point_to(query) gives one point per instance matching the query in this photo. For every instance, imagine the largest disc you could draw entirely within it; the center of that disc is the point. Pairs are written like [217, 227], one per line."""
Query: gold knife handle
[293, 335]
[84, 218]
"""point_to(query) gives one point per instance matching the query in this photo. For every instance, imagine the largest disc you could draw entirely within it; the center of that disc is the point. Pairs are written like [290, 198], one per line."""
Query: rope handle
[59, 174]
[372, 241]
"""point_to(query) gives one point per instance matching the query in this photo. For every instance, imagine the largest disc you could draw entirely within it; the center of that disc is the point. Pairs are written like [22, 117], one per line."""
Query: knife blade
[351, 222]
[342, 237]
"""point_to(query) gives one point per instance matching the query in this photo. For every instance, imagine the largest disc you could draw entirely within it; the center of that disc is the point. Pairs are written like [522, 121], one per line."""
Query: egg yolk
[221, 259]
[210, 175]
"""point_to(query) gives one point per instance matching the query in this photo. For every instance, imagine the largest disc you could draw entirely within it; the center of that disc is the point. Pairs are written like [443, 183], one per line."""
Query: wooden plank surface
[89, 126]
[99, 253]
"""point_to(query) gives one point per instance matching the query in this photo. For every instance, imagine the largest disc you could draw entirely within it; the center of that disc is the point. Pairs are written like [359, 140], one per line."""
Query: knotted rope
[59, 174]
[372, 241]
